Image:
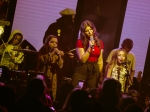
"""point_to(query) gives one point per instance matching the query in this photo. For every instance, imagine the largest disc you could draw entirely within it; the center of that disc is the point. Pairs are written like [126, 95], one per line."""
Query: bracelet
[88, 51]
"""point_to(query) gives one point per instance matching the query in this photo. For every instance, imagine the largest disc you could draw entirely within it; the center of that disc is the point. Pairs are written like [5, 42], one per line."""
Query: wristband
[88, 51]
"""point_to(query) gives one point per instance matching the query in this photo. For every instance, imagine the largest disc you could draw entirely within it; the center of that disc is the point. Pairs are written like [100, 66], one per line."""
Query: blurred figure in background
[78, 100]
[8, 97]
[31, 100]
[109, 96]
[63, 28]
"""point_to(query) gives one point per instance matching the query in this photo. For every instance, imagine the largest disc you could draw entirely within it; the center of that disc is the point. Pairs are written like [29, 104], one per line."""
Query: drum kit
[21, 76]
[28, 54]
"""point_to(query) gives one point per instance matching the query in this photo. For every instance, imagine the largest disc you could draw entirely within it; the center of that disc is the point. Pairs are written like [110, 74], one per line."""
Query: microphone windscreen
[91, 38]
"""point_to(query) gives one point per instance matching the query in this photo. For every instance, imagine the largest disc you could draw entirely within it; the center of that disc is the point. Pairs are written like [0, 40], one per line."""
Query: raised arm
[83, 55]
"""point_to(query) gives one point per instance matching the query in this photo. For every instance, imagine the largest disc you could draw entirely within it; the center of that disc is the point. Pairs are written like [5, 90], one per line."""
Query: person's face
[127, 49]
[16, 40]
[89, 31]
[121, 57]
[53, 43]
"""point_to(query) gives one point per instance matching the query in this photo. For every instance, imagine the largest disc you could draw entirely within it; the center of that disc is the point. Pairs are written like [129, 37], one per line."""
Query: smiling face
[89, 31]
[121, 57]
[53, 43]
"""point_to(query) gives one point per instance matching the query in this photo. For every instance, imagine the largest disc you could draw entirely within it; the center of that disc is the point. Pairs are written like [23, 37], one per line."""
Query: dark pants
[86, 71]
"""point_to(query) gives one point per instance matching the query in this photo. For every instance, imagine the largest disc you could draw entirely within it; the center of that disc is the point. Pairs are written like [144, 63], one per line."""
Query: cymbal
[25, 50]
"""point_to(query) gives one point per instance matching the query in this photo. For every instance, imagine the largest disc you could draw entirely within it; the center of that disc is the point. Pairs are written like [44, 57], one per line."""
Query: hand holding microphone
[91, 43]
[58, 52]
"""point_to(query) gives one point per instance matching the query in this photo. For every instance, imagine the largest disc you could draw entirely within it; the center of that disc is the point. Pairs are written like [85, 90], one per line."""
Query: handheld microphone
[52, 49]
[92, 41]
[57, 51]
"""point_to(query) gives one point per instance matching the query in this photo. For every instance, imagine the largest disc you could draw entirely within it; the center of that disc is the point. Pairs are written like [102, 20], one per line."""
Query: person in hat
[62, 24]
[63, 28]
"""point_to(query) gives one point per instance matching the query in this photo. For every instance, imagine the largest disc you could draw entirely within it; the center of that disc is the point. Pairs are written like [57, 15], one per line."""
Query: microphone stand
[127, 78]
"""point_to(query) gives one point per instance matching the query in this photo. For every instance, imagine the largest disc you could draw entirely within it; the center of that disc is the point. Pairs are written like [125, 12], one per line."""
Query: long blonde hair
[113, 61]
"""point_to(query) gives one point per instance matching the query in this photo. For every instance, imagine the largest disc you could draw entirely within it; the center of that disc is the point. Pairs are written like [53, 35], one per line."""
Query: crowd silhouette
[105, 98]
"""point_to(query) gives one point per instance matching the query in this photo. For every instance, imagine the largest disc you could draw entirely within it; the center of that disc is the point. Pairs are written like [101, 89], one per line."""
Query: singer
[89, 50]
[115, 68]
[49, 62]
[127, 45]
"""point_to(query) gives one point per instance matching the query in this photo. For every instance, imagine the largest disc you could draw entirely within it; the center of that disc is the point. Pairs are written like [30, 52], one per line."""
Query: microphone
[52, 49]
[126, 62]
[57, 51]
[92, 40]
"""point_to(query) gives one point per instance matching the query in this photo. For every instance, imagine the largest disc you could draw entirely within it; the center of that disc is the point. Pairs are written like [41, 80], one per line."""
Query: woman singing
[89, 50]
[50, 61]
[116, 68]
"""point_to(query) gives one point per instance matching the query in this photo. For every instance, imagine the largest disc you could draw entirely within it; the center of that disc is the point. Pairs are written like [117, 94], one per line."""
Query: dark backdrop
[108, 17]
